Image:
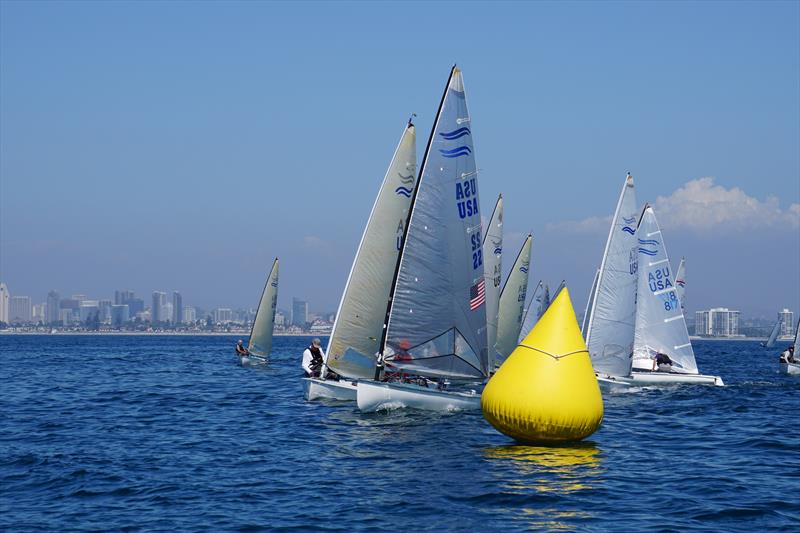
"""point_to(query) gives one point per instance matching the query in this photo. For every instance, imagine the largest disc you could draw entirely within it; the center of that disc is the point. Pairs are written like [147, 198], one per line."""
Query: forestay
[609, 334]
[660, 325]
[437, 317]
[492, 254]
[531, 315]
[260, 342]
[512, 304]
[357, 331]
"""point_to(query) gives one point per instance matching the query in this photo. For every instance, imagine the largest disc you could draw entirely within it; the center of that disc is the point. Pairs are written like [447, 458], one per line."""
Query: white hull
[610, 383]
[376, 396]
[251, 359]
[790, 368]
[670, 378]
[314, 388]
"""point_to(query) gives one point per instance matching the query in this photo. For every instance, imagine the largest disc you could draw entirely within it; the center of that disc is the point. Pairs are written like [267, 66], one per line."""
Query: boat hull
[670, 378]
[793, 369]
[609, 383]
[375, 396]
[251, 359]
[315, 388]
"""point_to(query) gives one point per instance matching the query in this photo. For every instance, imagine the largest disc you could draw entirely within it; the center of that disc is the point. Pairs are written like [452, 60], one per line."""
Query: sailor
[787, 356]
[240, 349]
[313, 358]
[662, 359]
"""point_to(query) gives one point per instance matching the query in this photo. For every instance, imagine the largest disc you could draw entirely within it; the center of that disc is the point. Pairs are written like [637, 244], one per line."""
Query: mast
[379, 363]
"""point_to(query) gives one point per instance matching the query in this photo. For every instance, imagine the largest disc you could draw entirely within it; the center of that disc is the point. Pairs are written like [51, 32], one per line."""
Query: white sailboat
[680, 282]
[512, 306]
[793, 368]
[539, 302]
[436, 319]
[357, 331]
[773, 336]
[260, 343]
[660, 324]
[493, 273]
[609, 329]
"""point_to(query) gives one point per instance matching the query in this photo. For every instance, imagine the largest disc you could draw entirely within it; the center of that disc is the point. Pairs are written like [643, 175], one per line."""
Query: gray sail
[493, 272]
[357, 331]
[437, 318]
[589, 304]
[512, 304]
[773, 336]
[260, 342]
[531, 316]
[609, 334]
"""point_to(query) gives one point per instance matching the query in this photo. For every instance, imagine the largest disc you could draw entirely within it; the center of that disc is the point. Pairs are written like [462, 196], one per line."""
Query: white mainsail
[531, 316]
[357, 331]
[797, 340]
[680, 282]
[436, 323]
[589, 304]
[260, 342]
[512, 304]
[609, 333]
[660, 325]
[773, 336]
[492, 254]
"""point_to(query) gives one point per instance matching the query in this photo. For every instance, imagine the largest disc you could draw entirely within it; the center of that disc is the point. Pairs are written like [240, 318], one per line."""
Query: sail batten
[358, 327]
[512, 303]
[260, 342]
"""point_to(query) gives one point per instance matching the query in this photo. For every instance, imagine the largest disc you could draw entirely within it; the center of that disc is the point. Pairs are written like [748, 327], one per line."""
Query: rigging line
[552, 355]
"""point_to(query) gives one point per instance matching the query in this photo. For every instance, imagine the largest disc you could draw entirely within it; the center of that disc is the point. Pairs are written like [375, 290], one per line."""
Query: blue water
[107, 433]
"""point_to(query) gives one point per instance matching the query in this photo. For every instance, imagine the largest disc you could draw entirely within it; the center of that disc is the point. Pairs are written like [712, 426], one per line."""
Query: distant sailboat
[260, 343]
[436, 319]
[660, 324]
[540, 300]
[356, 335]
[512, 305]
[680, 283]
[493, 272]
[773, 336]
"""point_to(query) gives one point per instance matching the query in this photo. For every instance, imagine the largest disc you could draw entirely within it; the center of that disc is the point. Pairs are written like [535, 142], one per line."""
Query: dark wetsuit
[663, 359]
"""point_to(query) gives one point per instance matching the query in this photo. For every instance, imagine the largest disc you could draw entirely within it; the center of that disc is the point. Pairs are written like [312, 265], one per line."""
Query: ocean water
[171, 433]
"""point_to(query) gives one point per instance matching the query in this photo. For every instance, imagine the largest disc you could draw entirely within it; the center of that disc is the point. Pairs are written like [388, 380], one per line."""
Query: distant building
[19, 310]
[105, 311]
[53, 299]
[280, 319]
[4, 303]
[38, 313]
[120, 314]
[88, 308]
[157, 309]
[123, 297]
[136, 306]
[166, 312]
[189, 315]
[299, 312]
[177, 308]
[717, 322]
[787, 323]
[223, 315]
[73, 306]
[66, 316]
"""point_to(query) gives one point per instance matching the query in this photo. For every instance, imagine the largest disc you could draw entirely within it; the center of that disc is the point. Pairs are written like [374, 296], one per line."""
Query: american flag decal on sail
[477, 295]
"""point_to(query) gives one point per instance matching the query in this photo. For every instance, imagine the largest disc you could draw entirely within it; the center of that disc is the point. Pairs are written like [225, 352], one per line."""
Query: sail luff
[530, 317]
[492, 265]
[589, 304]
[512, 304]
[260, 341]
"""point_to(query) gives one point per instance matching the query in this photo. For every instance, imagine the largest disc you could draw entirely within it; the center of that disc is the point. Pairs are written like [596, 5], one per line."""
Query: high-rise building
[4, 303]
[123, 297]
[53, 300]
[66, 316]
[119, 314]
[157, 309]
[19, 310]
[189, 315]
[166, 312]
[717, 322]
[38, 313]
[136, 306]
[299, 312]
[87, 310]
[177, 308]
[105, 311]
[73, 307]
[787, 323]
[223, 315]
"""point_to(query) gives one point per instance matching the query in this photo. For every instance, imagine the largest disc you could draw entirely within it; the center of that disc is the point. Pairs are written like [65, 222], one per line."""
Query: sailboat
[436, 324]
[356, 334]
[540, 301]
[512, 306]
[793, 368]
[493, 273]
[773, 336]
[660, 324]
[611, 314]
[680, 282]
[260, 343]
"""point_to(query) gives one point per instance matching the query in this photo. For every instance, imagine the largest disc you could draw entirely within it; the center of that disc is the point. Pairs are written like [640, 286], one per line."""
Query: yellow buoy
[546, 390]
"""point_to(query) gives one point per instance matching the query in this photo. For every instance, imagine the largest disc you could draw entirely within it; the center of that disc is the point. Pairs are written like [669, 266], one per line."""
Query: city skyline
[162, 174]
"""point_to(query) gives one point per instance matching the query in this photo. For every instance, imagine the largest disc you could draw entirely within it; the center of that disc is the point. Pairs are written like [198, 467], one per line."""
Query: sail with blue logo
[260, 342]
[530, 317]
[358, 328]
[609, 332]
[680, 282]
[492, 266]
[512, 304]
[437, 317]
[660, 324]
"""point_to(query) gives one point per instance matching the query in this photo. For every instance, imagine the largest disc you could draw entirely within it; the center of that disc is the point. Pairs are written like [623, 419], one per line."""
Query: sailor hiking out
[240, 349]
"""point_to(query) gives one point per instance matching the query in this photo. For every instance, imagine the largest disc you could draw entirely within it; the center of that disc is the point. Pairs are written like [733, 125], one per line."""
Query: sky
[183, 145]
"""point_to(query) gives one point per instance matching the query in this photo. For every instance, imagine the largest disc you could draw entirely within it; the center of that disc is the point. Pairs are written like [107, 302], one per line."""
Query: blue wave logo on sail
[680, 282]
[403, 191]
[274, 283]
[456, 152]
[651, 242]
[523, 269]
[629, 230]
[648, 252]
[455, 134]
[406, 179]
[629, 220]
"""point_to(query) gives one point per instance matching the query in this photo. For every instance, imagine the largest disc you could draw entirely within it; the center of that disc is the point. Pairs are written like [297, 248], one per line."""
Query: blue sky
[181, 146]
